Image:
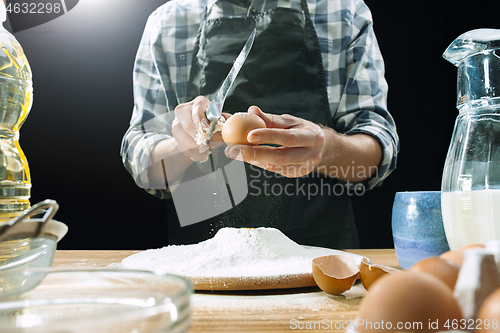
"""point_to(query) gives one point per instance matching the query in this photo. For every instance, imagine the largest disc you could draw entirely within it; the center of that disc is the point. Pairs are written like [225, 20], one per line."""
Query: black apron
[282, 74]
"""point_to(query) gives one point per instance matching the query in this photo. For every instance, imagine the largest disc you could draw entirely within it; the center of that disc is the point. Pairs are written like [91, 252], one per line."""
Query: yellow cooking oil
[16, 98]
[10, 249]
[15, 188]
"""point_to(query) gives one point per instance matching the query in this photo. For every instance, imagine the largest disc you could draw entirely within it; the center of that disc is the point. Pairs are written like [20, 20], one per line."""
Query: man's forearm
[349, 157]
[167, 162]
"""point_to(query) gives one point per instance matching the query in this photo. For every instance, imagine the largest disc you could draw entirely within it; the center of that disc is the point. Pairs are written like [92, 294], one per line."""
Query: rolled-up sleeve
[151, 119]
[363, 104]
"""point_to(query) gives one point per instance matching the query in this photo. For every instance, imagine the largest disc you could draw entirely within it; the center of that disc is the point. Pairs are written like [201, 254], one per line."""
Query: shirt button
[253, 11]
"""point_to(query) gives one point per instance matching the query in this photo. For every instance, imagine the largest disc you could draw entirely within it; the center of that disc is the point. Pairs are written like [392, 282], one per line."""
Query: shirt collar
[236, 2]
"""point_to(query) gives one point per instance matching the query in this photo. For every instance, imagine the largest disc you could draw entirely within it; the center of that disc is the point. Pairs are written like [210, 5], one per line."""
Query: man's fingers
[200, 105]
[279, 156]
[273, 120]
[184, 139]
[284, 137]
[293, 165]
[184, 118]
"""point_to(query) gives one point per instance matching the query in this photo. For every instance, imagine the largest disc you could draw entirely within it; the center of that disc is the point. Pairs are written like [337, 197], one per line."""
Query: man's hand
[300, 146]
[179, 152]
[189, 119]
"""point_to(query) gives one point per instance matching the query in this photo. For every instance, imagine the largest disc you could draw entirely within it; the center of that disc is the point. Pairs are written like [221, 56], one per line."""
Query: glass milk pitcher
[470, 197]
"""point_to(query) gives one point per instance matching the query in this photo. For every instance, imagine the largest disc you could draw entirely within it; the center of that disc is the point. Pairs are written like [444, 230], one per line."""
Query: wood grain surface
[281, 310]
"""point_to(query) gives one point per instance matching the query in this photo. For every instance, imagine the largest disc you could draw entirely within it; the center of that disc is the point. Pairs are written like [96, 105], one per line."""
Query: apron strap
[305, 8]
[204, 14]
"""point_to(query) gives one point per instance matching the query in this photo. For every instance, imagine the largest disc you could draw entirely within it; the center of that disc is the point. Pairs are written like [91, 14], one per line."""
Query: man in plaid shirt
[330, 123]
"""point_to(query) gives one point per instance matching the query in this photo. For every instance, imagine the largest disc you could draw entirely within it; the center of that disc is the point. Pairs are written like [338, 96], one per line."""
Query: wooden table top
[307, 309]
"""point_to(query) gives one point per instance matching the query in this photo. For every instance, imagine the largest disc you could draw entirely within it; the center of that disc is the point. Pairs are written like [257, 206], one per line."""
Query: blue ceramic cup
[417, 227]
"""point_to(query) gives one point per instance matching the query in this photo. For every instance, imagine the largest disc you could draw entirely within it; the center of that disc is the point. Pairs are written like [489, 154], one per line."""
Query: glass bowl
[19, 255]
[98, 300]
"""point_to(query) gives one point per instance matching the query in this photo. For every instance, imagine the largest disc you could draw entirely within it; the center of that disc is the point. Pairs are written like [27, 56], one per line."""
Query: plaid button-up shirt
[353, 67]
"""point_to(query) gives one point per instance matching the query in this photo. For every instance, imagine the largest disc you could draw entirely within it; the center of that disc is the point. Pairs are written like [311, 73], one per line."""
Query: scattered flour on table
[263, 303]
[232, 252]
[295, 301]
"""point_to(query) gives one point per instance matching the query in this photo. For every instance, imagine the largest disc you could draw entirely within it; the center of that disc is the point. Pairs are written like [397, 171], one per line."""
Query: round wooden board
[253, 282]
[284, 281]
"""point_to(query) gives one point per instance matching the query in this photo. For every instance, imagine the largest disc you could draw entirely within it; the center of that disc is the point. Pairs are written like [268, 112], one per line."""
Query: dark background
[82, 72]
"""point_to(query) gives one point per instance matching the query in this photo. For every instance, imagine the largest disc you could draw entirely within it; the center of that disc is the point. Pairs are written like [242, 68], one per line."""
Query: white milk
[471, 216]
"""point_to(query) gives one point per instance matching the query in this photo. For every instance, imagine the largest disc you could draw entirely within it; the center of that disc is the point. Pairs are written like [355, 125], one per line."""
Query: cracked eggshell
[335, 274]
[369, 273]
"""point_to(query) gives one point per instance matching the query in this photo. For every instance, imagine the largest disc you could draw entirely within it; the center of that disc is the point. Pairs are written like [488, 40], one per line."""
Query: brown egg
[443, 269]
[335, 274]
[472, 246]
[408, 301]
[456, 256]
[369, 273]
[488, 315]
[237, 127]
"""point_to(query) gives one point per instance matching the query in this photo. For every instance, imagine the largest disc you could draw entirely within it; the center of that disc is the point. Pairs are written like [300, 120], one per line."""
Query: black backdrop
[82, 71]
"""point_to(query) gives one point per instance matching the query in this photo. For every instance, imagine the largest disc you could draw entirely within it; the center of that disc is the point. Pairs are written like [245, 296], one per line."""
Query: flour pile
[232, 252]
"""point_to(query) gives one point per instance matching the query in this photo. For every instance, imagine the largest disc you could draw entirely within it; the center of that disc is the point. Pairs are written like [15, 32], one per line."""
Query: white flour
[202, 133]
[232, 252]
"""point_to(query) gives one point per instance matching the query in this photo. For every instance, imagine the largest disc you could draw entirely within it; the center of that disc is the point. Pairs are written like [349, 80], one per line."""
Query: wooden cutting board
[283, 281]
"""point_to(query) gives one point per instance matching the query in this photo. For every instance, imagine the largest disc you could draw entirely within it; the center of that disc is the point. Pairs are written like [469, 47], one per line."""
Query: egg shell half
[335, 274]
[369, 273]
